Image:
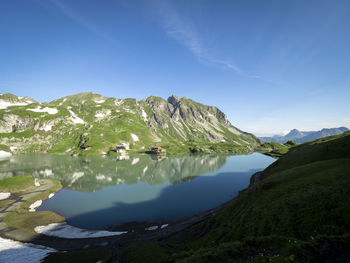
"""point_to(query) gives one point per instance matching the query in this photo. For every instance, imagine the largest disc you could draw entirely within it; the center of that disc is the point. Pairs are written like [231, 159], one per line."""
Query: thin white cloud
[76, 17]
[185, 34]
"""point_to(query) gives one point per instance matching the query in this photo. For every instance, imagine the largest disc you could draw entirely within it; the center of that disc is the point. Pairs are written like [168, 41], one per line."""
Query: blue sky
[269, 65]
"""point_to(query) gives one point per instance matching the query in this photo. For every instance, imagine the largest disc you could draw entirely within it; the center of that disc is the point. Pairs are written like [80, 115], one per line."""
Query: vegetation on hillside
[20, 217]
[69, 124]
[298, 212]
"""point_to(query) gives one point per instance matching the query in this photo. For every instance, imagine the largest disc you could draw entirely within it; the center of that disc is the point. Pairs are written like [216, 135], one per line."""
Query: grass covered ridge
[16, 184]
[298, 212]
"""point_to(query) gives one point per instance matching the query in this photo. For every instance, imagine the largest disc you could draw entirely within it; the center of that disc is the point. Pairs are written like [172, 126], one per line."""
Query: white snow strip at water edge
[75, 119]
[66, 231]
[51, 195]
[4, 154]
[35, 205]
[134, 137]
[151, 228]
[5, 104]
[46, 109]
[163, 226]
[17, 252]
[4, 196]
[100, 101]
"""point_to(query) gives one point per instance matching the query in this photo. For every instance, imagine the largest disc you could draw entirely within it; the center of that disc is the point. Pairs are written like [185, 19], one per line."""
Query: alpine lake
[101, 192]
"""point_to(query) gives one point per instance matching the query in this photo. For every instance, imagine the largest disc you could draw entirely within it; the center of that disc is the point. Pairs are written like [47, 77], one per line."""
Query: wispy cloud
[177, 28]
[79, 19]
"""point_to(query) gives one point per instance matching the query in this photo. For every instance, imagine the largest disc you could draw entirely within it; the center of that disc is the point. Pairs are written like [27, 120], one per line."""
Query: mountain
[305, 136]
[65, 124]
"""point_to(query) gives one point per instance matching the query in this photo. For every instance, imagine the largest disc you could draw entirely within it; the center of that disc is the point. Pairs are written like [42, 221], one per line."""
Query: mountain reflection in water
[92, 173]
[104, 192]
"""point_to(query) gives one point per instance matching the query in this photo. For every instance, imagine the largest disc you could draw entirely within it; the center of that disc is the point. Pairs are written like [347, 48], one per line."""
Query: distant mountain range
[305, 136]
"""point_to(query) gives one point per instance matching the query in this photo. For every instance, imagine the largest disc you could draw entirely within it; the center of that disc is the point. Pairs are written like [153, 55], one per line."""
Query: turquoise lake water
[103, 192]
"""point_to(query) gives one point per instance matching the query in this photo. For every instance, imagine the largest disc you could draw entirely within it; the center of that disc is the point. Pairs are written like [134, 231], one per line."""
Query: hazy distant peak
[305, 136]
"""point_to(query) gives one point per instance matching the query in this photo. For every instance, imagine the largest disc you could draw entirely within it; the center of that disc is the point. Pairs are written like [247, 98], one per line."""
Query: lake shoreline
[136, 232]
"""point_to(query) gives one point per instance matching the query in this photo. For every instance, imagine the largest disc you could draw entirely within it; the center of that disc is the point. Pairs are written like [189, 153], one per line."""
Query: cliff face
[65, 124]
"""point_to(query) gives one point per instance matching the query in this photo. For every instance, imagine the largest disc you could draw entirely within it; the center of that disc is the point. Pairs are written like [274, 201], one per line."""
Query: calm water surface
[100, 192]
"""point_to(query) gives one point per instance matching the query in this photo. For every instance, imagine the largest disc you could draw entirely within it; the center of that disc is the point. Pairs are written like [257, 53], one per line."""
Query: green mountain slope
[64, 125]
[298, 212]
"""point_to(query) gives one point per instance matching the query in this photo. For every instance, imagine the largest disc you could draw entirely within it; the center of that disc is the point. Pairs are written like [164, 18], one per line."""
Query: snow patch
[5, 104]
[135, 161]
[46, 172]
[120, 181]
[100, 177]
[145, 170]
[163, 226]
[151, 228]
[68, 150]
[75, 119]
[102, 115]
[4, 154]
[36, 182]
[64, 230]
[4, 196]
[118, 102]
[77, 175]
[99, 115]
[17, 252]
[51, 195]
[46, 128]
[130, 111]
[13, 148]
[35, 205]
[144, 115]
[46, 109]
[62, 102]
[134, 137]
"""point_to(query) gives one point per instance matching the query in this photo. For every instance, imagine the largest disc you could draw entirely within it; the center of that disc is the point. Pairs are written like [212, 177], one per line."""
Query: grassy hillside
[275, 149]
[298, 212]
[89, 119]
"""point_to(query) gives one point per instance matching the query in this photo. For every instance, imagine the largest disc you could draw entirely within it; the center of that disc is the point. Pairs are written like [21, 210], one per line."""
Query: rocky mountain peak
[174, 100]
